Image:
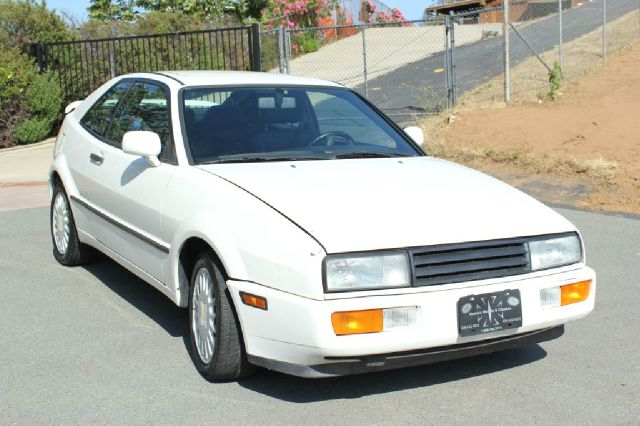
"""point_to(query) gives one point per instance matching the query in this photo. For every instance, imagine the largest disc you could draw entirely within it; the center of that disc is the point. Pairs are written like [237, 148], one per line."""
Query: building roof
[458, 6]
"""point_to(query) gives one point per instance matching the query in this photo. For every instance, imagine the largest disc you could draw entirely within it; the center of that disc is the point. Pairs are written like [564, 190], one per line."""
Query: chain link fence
[399, 67]
[404, 68]
[420, 67]
[544, 37]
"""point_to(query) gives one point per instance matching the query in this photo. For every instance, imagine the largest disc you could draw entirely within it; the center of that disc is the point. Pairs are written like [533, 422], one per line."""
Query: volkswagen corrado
[303, 230]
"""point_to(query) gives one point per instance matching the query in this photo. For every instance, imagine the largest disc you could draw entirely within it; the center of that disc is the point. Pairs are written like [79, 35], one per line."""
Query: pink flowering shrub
[397, 16]
[369, 13]
[298, 13]
[383, 17]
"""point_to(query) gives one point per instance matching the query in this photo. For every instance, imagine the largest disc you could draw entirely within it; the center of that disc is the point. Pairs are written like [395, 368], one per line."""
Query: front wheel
[216, 341]
[67, 248]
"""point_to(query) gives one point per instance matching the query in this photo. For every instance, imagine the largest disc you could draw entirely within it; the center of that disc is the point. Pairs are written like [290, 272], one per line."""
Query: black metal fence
[83, 65]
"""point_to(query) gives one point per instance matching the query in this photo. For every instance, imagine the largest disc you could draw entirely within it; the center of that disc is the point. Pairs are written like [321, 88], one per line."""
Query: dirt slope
[595, 122]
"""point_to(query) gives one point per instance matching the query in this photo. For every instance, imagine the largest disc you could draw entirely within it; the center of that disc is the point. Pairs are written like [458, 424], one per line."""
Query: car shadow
[173, 320]
[136, 292]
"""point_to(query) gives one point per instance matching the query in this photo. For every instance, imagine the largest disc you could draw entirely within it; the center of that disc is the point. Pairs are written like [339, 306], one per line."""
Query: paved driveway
[417, 85]
[95, 344]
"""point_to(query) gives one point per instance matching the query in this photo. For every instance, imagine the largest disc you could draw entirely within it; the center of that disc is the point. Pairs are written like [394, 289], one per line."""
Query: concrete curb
[31, 147]
[26, 164]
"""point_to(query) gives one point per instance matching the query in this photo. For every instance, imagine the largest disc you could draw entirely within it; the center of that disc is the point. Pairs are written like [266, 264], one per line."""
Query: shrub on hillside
[167, 22]
[43, 100]
[16, 73]
[29, 104]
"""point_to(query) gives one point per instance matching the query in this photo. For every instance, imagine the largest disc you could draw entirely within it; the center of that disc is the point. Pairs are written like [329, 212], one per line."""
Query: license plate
[489, 313]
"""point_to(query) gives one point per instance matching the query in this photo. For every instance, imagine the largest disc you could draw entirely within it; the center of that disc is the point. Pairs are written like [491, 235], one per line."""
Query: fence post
[505, 35]
[287, 44]
[447, 68]
[335, 19]
[281, 49]
[34, 52]
[454, 86]
[255, 54]
[287, 50]
[364, 61]
[604, 29]
[560, 34]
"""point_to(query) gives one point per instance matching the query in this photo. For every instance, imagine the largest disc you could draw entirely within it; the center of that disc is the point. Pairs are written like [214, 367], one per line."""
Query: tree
[202, 8]
[109, 10]
[250, 9]
[23, 22]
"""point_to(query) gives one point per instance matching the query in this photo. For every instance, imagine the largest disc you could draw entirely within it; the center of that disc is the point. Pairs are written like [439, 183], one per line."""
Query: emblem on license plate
[488, 313]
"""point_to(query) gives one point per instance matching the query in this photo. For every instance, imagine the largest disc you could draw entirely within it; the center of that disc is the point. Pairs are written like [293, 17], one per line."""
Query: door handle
[96, 159]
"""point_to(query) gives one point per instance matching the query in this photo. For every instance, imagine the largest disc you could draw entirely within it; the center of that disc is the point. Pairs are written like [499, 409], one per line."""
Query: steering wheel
[331, 138]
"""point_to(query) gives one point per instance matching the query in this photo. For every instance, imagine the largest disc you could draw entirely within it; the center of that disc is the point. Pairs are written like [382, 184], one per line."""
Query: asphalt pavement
[416, 85]
[95, 344]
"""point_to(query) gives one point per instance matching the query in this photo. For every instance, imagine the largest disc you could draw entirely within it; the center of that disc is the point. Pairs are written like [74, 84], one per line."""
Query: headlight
[555, 252]
[367, 272]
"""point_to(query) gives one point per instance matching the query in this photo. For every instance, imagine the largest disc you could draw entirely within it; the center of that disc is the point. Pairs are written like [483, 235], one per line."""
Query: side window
[98, 118]
[145, 108]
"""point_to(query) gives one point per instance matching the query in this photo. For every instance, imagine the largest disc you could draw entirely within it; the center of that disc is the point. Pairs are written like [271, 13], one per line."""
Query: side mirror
[415, 133]
[73, 105]
[144, 144]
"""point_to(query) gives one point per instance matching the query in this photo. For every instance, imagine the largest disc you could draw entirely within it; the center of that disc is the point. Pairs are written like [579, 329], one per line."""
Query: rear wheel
[67, 248]
[216, 341]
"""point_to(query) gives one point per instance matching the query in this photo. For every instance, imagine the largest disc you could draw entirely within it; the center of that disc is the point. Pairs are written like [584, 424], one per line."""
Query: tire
[67, 248]
[218, 353]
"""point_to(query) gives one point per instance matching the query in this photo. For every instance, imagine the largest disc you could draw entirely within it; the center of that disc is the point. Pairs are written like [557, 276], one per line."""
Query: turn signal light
[253, 300]
[574, 293]
[357, 322]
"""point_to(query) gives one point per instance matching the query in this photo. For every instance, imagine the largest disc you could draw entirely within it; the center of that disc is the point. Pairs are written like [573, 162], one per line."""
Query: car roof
[235, 78]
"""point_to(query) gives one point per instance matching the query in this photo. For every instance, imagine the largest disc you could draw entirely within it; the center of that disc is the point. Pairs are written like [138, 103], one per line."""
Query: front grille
[452, 263]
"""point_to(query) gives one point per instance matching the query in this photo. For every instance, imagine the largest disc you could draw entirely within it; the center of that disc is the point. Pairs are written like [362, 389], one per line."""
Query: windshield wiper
[365, 154]
[255, 159]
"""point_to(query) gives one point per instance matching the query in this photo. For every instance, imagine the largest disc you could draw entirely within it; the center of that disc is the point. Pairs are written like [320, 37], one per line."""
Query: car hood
[371, 204]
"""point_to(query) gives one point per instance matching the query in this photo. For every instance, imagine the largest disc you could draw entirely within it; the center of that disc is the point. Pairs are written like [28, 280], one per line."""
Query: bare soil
[583, 149]
[530, 79]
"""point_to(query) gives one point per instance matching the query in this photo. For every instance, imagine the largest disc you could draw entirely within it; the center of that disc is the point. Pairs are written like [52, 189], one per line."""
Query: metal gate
[405, 68]
[84, 65]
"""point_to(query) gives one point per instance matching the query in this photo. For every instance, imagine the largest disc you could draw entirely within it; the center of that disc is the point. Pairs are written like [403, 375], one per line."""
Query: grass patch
[600, 169]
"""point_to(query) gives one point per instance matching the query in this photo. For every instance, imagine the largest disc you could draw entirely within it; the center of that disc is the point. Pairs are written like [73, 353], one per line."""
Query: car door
[79, 140]
[126, 190]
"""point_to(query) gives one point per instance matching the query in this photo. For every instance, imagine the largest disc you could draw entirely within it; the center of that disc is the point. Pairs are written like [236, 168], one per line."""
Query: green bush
[16, 72]
[43, 102]
[307, 42]
[44, 97]
[32, 130]
[29, 103]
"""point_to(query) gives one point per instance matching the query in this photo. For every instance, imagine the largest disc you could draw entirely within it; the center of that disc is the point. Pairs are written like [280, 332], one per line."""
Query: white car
[303, 230]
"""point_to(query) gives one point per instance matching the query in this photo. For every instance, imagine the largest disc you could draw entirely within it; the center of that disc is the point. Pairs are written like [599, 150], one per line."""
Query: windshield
[225, 125]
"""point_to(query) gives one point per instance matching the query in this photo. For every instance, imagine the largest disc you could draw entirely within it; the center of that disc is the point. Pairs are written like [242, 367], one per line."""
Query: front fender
[253, 241]
[224, 246]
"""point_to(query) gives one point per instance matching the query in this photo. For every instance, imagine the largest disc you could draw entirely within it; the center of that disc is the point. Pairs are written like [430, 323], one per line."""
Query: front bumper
[295, 334]
[341, 366]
